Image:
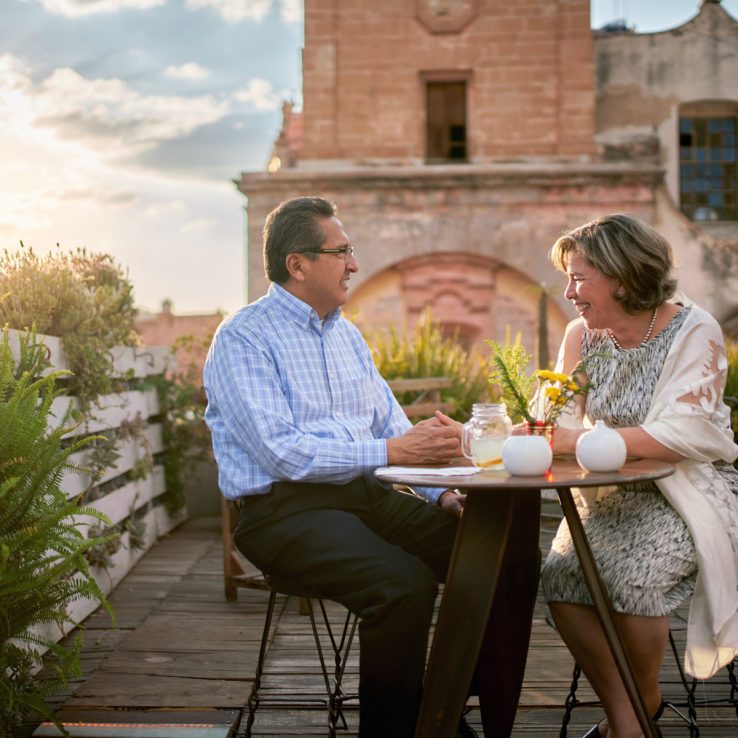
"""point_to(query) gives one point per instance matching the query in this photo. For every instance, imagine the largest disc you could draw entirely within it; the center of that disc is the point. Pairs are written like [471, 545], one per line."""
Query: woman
[657, 370]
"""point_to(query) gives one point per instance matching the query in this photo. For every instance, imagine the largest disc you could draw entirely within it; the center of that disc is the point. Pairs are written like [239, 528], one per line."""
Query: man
[300, 418]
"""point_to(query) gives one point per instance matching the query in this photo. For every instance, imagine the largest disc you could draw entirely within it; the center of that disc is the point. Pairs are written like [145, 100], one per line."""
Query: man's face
[326, 278]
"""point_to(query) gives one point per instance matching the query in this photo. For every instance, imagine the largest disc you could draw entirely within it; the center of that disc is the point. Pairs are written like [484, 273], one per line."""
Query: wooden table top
[564, 472]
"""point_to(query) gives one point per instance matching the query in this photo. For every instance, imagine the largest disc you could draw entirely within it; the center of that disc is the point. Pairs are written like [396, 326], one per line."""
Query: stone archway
[459, 289]
[471, 296]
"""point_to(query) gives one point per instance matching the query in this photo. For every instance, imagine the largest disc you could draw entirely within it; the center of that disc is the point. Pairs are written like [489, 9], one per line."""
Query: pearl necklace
[651, 324]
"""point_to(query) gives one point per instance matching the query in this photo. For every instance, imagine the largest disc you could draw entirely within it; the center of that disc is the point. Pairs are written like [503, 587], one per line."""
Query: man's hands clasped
[428, 442]
[433, 441]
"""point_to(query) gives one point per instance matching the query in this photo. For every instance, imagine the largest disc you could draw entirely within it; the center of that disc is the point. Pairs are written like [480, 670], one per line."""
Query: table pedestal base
[494, 569]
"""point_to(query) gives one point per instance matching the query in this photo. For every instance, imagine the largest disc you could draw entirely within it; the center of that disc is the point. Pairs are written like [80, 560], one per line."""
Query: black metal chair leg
[733, 686]
[571, 700]
[690, 688]
[334, 694]
[253, 701]
[341, 650]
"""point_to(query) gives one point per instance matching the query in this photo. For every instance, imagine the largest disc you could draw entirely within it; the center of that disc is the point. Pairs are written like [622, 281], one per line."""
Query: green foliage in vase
[509, 378]
[42, 540]
[426, 352]
[82, 297]
[541, 397]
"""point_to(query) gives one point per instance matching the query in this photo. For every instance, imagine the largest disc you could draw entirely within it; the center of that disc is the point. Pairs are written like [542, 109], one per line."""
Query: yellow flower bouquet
[557, 390]
[538, 399]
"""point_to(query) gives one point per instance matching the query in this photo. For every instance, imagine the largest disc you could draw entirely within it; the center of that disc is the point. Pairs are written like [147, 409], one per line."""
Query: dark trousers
[381, 554]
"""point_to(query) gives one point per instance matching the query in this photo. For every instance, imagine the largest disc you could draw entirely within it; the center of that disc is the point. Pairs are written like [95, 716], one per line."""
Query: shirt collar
[300, 311]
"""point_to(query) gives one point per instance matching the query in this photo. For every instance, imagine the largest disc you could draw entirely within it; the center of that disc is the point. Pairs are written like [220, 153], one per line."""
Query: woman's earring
[620, 292]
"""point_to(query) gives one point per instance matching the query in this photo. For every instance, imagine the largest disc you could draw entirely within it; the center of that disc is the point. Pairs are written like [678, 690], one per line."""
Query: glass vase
[541, 428]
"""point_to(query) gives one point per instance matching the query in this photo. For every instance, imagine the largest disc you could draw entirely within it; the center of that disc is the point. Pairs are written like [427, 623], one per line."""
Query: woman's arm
[637, 442]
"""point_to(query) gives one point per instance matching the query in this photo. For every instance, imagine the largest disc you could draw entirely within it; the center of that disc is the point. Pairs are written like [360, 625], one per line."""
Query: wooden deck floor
[182, 656]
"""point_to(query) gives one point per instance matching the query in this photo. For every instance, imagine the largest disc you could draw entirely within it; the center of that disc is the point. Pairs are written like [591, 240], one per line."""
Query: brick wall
[530, 79]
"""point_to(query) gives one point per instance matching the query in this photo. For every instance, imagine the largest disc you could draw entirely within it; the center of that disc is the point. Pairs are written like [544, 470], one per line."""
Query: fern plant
[509, 378]
[42, 540]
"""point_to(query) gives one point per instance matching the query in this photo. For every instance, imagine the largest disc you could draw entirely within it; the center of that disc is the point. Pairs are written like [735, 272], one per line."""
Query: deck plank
[181, 652]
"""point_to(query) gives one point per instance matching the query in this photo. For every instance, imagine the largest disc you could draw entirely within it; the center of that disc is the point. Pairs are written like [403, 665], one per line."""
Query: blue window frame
[707, 168]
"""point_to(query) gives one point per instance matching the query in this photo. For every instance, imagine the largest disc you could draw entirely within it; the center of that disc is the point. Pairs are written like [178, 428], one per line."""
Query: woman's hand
[565, 439]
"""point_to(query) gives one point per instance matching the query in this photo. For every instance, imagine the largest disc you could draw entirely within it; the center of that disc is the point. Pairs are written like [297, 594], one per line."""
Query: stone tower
[459, 139]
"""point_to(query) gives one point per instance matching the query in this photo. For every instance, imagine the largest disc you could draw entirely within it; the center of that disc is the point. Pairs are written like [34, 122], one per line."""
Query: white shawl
[687, 415]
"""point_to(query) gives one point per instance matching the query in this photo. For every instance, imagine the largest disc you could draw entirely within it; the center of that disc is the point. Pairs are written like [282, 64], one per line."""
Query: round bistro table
[479, 550]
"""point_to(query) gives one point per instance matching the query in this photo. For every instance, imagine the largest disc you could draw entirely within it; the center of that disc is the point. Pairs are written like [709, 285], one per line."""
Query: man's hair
[626, 249]
[293, 226]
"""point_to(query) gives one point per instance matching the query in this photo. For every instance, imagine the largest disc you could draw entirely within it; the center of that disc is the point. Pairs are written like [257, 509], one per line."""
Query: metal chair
[334, 697]
[689, 702]
[690, 685]
[239, 573]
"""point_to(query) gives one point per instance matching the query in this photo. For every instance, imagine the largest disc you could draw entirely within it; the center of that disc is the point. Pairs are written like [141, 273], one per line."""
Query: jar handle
[465, 443]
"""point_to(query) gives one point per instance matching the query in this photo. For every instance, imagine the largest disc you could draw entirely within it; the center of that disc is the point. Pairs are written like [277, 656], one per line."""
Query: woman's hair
[293, 226]
[625, 249]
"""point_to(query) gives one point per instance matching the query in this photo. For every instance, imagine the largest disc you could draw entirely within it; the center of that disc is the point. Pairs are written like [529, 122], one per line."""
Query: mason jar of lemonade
[485, 433]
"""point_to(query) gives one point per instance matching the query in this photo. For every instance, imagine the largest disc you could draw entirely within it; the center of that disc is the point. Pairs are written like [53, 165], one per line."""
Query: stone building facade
[461, 137]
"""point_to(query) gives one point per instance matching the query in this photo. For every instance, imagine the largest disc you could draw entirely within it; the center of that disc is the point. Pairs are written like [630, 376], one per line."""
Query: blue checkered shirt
[291, 397]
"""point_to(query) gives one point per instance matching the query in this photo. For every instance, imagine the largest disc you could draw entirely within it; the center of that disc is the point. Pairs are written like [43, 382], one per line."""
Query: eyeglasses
[346, 252]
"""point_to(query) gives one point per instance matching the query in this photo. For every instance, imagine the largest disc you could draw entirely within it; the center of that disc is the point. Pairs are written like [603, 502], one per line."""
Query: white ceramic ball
[526, 455]
[601, 449]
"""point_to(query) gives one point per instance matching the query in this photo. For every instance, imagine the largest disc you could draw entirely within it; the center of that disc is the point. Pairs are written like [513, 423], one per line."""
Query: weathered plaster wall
[643, 82]
[707, 267]
[534, 171]
[505, 217]
[642, 79]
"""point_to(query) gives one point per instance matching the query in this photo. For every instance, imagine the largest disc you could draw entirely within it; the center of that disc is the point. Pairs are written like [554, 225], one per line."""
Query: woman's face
[591, 293]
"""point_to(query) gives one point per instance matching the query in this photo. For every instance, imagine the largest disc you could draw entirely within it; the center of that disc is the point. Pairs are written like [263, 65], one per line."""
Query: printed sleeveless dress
[643, 548]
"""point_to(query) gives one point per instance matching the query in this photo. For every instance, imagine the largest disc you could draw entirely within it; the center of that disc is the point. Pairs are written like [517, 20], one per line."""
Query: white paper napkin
[430, 471]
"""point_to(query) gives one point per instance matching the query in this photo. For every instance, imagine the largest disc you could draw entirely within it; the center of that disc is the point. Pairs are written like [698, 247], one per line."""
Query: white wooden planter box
[166, 522]
[123, 561]
[150, 536]
[53, 346]
[138, 361]
[80, 609]
[110, 412]
[159, 360]
[128, 361]
[109, 578]
[131, 451]
[119, 504]
[158, 481]
[51, 631]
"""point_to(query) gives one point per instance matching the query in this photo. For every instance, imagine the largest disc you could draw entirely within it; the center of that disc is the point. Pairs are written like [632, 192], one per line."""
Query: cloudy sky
[123, 122]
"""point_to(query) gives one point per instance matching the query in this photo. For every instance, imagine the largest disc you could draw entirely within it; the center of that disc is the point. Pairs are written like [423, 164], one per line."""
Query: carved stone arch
[473, 296]
[459, 289]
